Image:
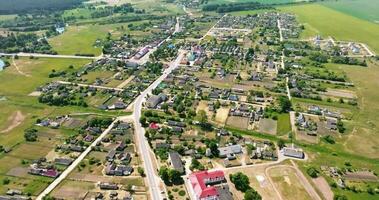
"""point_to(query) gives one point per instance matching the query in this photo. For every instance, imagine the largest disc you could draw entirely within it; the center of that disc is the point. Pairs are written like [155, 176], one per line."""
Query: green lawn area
[363, 9]
[249, 12]
[78, 40]
[81, 39]
[7, 17]
[325, 21]
[284, 124]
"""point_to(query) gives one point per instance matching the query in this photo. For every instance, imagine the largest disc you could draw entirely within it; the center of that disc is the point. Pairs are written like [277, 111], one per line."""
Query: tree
[30, 135]
[141, 171]
[165, 107]
[163, 173]
[284, 103]
[203, 118]
[241, 181]
[195, 164]
[175, 177]
[214, 148]
[251, 194]
[312, 172]
[143, 121]
[281, 143]
[339, 197]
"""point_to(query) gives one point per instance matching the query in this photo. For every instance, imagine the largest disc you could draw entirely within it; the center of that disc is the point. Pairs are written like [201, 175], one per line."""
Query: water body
[2, 65]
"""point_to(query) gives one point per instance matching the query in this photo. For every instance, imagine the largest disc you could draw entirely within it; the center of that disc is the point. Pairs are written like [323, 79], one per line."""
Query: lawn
[363, 9]
[284, 124]
[324, 21]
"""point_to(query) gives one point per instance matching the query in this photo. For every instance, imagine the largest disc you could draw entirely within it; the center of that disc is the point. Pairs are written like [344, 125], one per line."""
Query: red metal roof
[199, 186]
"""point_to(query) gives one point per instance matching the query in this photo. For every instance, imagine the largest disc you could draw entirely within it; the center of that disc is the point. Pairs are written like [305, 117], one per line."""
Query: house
[293, 152]
[76, 148]
[203, 184]
[176, 123]
[331, 124]
[222, 132]
[230, 151]
[154, 126]
[108, 186]
[176, 161]
[154, 100]
[121, 146]
[111, 155]
[63, 161]
[117, 105]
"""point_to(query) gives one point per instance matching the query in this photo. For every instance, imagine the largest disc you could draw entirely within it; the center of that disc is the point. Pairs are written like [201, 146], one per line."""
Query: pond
[2, 65]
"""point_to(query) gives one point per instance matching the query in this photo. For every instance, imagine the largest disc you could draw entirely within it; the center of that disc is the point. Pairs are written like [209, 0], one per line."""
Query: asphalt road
[48, 55]
[145, 152]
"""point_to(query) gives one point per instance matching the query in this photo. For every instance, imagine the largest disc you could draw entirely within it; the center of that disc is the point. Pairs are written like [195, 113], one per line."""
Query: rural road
[39, 55]
[70, 168]
[153, 179]
[93, 86]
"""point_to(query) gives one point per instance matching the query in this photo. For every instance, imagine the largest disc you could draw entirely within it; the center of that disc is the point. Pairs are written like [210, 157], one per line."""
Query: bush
[182, 193]
[251, 194]
[241, 181]
[30, 135]
[312, 172]
[6, 181]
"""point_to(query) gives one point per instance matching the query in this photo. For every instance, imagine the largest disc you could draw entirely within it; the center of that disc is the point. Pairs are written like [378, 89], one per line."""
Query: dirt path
[123, 84]
[308, 187]
[15, 120]
[18, 69]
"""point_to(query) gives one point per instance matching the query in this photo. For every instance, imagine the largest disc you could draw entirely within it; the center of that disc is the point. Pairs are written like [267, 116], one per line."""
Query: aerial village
[211, 80]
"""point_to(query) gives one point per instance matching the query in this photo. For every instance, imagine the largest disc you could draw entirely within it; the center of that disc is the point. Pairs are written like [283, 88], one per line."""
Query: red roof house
[202, 184]
[154, 126]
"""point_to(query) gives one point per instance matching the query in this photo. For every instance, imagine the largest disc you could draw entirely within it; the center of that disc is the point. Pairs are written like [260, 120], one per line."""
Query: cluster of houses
[52, 123]
[237, 22]
[42, 167]
[290, 27]
[244, 110]
[263, 150]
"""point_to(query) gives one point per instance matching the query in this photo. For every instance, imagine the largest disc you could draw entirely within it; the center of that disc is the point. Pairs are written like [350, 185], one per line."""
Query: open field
[258, 180]
[288, 183]
[363, 9]
[324, 21]
[364, 137]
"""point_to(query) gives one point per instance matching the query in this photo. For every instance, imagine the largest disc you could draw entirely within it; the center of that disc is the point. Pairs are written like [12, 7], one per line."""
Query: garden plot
[268, 126]
[238, 122]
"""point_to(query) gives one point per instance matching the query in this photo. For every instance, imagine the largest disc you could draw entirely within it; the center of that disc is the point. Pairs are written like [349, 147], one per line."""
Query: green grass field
[284, 124]
[324, 21]
[363, 9]
[81, 39]
[242, 1]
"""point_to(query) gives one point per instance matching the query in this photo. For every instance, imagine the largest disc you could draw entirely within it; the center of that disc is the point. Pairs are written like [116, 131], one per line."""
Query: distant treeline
[222, 8]
[33, 6]
[231, 7]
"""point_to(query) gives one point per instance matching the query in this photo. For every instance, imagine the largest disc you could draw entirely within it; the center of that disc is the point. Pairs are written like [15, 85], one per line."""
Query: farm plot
[238, 122]
[222, 115]
[268, 126]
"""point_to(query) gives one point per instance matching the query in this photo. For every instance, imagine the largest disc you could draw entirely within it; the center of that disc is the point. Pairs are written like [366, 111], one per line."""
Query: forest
[28, 6]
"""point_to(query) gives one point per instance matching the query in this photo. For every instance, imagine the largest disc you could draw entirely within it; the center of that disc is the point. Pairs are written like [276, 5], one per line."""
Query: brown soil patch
[323, 186]
[14, 120]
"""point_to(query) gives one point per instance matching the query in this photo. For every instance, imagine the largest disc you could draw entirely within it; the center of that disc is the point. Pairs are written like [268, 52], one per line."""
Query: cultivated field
[324, 21]
[363, 9]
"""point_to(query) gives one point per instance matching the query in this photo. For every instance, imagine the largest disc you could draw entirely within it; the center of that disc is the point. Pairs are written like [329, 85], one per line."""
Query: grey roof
[233, 149]
[176, 161]
[292, 152]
